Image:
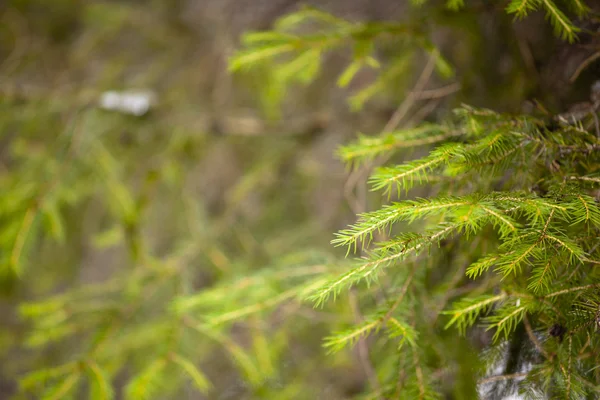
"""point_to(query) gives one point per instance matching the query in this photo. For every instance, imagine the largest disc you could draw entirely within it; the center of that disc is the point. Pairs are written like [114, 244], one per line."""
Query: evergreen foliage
[516, 214]
[477, 274]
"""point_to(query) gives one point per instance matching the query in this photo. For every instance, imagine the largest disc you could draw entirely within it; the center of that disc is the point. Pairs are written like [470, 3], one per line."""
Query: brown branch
[569, 368]
[502, 377]
[363, 347]
[586, 63]
[419, 373]
[401, 296]
[413, 96]
[437, 93]
[534, 339]
[585, 178]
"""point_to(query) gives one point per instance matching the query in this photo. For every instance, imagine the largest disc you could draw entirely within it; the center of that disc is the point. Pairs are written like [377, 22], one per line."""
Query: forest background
[170, 254]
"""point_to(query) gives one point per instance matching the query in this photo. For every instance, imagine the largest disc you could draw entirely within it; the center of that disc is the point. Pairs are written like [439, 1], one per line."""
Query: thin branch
[533, 338]
[363, 348]
[585, 178]
[355, 201]
[413, 96]
[569, 367]
[424, 111]
[586, 63]
[419, 373]
[574, 289]
[437, 93]
[502, 378]
[401, 296]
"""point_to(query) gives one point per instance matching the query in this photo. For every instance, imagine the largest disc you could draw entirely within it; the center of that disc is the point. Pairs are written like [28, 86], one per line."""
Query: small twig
[401, 296]
[413, 96]
[502, 378]
[417, 362]
[584, 65]
[533, 338]
[363, 348]
[400, 382]
[574, 289]
[423, 112]
[569, 368]
[419, 373]
[437, 93]
[585, 178]
[358, 174]
[526, 54]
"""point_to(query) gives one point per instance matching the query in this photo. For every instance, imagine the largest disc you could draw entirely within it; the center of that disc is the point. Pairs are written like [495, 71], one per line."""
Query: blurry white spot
[132, 102]
[518, 302]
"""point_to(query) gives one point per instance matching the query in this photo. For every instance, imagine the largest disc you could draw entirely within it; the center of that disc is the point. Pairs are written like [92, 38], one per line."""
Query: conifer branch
[541, 278]
[562, 26]
[571, 290]
[466, 312]
[349, 337]
[368, 271]
[525, 188]
[367, 148]
[520, 7]
[296, 292]
[505, 320]
[404, 176]
[404, 331]
[378, 221]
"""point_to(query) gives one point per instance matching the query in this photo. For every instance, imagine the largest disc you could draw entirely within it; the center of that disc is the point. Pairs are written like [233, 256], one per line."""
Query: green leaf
[108, 238]
[100, 387]
[198, 378]
[267, 38]
[63, 388]
[55, 221]
[367, 147]
[349, 73]
[145, 385]
[43, 376]
[442, 66]
[455, 4]
[303, 68]
[255, 55]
